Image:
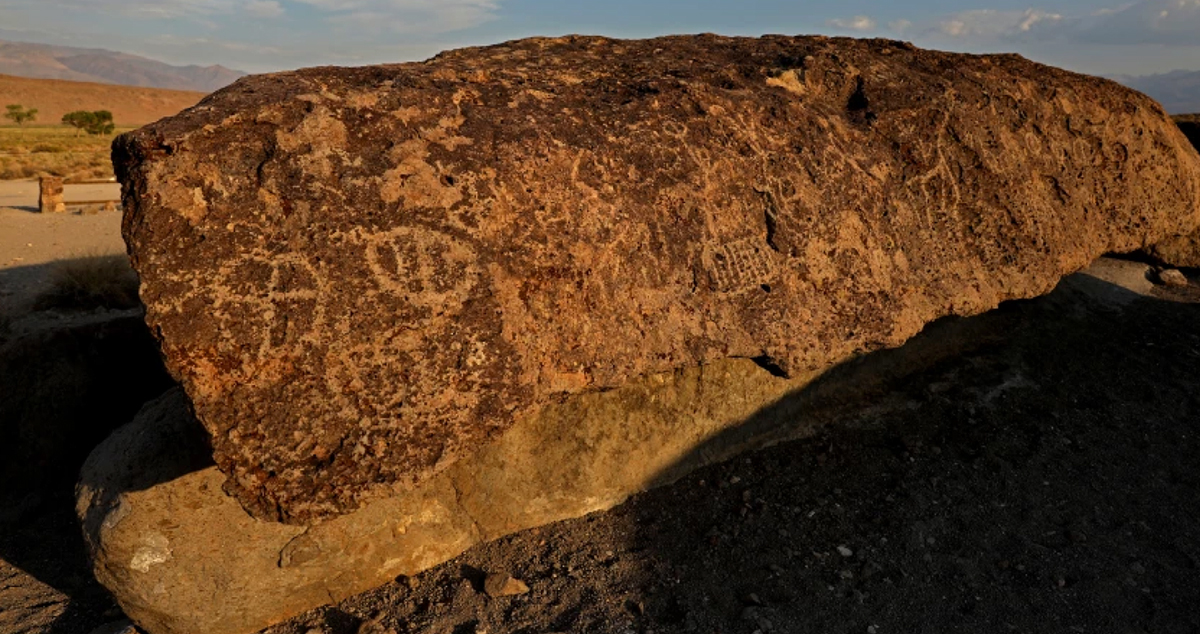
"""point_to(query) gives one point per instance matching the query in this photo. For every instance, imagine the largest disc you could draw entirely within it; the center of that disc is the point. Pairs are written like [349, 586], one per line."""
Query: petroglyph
[427, 268]
[739, 266]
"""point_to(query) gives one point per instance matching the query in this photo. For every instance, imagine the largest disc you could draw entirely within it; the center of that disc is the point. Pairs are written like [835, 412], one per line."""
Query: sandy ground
[30, 241]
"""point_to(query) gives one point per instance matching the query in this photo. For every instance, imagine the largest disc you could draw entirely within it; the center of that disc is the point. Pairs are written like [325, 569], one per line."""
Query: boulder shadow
[1029, 469]
[68, 380]
[1044, 481]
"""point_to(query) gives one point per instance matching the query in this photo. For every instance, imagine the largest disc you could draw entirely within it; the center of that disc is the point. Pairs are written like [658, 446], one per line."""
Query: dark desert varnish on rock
[360, 275]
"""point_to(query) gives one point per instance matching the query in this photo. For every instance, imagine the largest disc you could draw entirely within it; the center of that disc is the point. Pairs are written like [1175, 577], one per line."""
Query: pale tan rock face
[362, 275]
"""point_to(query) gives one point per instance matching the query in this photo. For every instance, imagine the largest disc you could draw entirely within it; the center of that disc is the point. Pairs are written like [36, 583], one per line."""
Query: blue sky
[1096, 36]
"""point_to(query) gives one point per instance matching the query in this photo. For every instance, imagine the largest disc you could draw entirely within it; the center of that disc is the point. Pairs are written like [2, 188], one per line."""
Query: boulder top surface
[360, 275]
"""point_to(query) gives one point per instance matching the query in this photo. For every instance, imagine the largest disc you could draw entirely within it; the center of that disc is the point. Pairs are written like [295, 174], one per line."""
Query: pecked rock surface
[361, 275]
[1182, 250]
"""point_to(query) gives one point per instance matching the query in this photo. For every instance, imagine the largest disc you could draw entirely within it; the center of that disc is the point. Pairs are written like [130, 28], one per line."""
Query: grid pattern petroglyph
[739, 265]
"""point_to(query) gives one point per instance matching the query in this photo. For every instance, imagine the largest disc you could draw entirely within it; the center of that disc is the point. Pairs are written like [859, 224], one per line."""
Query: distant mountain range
[1178, 91]
[46, 61]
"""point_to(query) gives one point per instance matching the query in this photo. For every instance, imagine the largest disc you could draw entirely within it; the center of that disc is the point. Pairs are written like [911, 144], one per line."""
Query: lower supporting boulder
[182, 557]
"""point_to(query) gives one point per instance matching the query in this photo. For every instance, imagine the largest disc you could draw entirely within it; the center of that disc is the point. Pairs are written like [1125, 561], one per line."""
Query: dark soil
[1045, 483]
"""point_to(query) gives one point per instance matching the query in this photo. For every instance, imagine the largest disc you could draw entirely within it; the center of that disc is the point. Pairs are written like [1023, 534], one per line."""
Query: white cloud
[1003, 25]
[954, 27]
[1162, 22]
[1174, 23]
[159, 9]
[856, 23]
[408, 16]
[1035, 17]
[427, 17]
[899, 26]
[264, 8]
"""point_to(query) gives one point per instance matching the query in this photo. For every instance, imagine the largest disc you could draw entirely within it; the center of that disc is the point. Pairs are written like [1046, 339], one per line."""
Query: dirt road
[31, 242]
[23, 194]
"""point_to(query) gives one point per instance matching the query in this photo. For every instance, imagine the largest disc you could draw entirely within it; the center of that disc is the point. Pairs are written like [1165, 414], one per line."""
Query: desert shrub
[87, 283]
[48, 148]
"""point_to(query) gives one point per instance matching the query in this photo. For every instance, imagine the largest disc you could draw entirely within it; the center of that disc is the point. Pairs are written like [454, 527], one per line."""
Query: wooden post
[50, 201]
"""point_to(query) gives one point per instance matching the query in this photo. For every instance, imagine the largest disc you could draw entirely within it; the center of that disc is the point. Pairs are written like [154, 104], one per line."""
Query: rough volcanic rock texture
[360, 275]
[1183, 250]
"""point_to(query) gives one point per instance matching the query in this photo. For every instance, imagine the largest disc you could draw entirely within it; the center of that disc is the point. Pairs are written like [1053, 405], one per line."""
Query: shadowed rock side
[1182, 250]
[361, 275]
[1190, 126]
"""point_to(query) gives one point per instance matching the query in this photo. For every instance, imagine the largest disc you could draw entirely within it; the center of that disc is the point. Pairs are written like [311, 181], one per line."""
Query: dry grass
[30, 151]
[1187, 118]
[87, 283]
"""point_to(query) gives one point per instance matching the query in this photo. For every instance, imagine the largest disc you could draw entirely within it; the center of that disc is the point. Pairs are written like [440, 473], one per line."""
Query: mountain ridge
[1178, 90]
[97, 65]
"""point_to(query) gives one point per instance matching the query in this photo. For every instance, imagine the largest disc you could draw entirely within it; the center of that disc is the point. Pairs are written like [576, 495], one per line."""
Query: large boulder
[1182, 250]
[362, 275]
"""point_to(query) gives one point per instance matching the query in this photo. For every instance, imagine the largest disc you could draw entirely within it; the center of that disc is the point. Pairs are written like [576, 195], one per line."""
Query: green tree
[93, 122]
[19, 114]
[103, 124]
[80, 120]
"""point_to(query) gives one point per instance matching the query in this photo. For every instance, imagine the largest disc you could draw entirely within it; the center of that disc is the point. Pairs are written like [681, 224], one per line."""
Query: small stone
[124, 626]
[871, 629]
[375, 626]
[1137, 568]
[845, 551]
[502, 584]
[1172, 277]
